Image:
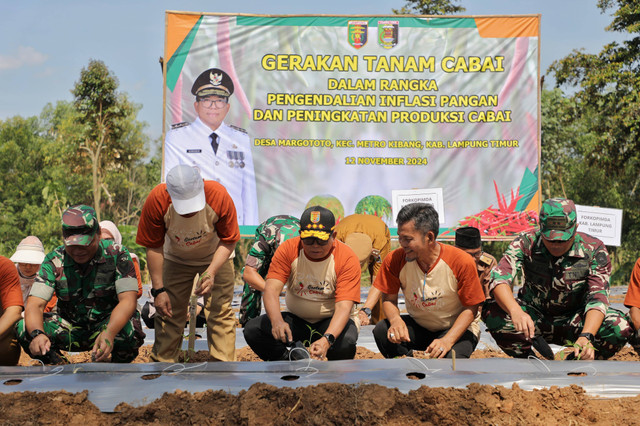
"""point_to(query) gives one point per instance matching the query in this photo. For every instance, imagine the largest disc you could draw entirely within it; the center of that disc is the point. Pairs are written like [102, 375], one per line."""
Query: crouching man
[441, 289]
[96, 286]
[564, 297]
[323, 284]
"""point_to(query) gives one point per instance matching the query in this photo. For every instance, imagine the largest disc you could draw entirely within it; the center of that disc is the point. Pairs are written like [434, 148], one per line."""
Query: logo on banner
[388, 33]
[357, 33]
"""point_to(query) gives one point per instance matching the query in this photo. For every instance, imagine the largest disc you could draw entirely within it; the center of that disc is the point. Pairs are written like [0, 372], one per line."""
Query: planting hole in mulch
[290, 377]
[416, 376]
[151, 376]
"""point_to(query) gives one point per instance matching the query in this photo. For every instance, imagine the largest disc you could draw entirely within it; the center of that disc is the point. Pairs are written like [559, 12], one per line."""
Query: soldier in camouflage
[96, 286]
[269, 235]
[565, 293]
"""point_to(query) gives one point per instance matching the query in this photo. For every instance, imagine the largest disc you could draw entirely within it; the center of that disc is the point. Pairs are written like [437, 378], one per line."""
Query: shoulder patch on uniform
[179, 125]
[485, 260]
[239, 129]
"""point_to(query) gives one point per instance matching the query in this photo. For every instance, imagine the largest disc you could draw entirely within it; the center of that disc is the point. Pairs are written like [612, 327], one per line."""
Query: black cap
[468, 237]
[316, 221]
[213, 81]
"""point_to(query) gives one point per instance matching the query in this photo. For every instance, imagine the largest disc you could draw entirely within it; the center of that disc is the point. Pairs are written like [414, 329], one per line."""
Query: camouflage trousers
[250, 304]
[66, 337]
[613, 334]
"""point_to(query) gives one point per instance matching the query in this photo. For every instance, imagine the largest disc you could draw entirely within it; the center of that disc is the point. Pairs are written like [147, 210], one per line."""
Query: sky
[44, 44]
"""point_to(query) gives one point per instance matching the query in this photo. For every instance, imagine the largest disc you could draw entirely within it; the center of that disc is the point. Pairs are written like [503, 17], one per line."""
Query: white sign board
[604, 224]
[432, 196]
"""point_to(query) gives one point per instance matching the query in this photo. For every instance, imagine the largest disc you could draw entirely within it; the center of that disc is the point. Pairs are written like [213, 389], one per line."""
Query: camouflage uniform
[86, 300]
[556, 294]
[269, 235]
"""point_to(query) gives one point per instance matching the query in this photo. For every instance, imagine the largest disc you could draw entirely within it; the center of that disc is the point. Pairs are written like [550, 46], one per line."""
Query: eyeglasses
[210, 102]
[309, 241]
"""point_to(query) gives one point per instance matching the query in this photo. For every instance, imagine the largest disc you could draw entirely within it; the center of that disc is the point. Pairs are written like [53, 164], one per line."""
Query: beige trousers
[221, 321]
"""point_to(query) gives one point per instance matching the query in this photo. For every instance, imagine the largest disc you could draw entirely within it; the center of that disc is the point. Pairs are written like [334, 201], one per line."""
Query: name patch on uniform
[194, 151]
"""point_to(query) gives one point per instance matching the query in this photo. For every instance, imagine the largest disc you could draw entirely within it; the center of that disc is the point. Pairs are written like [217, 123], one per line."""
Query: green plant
[572, 345]
[312, 332]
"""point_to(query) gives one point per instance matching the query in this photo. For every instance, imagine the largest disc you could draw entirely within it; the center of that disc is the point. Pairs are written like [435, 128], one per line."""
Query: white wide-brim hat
[30, 250]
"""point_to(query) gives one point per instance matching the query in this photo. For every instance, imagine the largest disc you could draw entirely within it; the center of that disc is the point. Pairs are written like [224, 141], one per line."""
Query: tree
[606, 94]
[429, 7]
[110, 136]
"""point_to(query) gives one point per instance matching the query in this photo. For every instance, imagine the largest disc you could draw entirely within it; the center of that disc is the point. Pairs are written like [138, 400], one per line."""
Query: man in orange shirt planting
[441, 289]
[323, 284]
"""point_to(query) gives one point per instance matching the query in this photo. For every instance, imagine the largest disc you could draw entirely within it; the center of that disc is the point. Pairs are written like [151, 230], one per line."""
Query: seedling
[568, 353]
[312, 332]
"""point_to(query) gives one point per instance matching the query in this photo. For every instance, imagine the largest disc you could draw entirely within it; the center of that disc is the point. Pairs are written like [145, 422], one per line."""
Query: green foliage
[312, 332]
[429, 7]
[46, 162]
[591, 137]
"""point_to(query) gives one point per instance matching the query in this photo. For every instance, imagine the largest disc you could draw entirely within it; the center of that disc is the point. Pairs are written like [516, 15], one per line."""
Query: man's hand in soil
[103, 347]
[163, 305]
[438, 348]
[583, 349]
[318, 349]
[40, 345]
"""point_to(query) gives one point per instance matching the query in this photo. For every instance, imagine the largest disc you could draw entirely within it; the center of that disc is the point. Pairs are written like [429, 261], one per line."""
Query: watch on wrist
[156, 292]
[35, 333]
[330, 338]
[590, 337]
[367, 312]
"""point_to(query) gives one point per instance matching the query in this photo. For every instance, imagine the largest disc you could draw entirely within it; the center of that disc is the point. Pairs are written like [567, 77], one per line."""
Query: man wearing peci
[220, 151]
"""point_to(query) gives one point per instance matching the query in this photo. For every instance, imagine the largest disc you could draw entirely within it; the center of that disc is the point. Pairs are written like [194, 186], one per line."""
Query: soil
[331, 403]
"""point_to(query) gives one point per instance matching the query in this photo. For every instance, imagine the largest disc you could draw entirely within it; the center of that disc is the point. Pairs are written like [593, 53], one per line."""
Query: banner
[342, 111]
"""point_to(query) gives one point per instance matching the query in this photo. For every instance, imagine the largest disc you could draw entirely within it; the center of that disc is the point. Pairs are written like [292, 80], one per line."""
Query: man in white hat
[189, 226]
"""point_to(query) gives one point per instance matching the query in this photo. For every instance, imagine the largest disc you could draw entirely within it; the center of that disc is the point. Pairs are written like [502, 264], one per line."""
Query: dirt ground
[331, 403]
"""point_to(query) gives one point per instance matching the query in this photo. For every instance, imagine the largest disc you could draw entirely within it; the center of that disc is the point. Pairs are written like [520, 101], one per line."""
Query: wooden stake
[193, 307]
[453, 359]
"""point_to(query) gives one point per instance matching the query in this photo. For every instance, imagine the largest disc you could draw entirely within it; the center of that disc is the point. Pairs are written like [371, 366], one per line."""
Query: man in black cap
[220, 151]
[468, 240]
[323, 284]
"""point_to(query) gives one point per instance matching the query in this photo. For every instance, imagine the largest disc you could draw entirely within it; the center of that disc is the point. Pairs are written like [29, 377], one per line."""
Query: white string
[182, 367]
[534, 358]
[423, 365]
[57, 370]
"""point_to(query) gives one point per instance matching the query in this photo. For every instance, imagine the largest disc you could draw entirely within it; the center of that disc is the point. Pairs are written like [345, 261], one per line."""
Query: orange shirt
[10, 290]
[435, 298]
[632, 299]
[136, 266]
[314, 286]
[189, 241]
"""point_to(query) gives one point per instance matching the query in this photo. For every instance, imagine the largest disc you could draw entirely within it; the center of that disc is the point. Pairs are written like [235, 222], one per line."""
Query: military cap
[468, 237]
[317, 221]
[558, 219]
[79, 225]
[213, 81]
